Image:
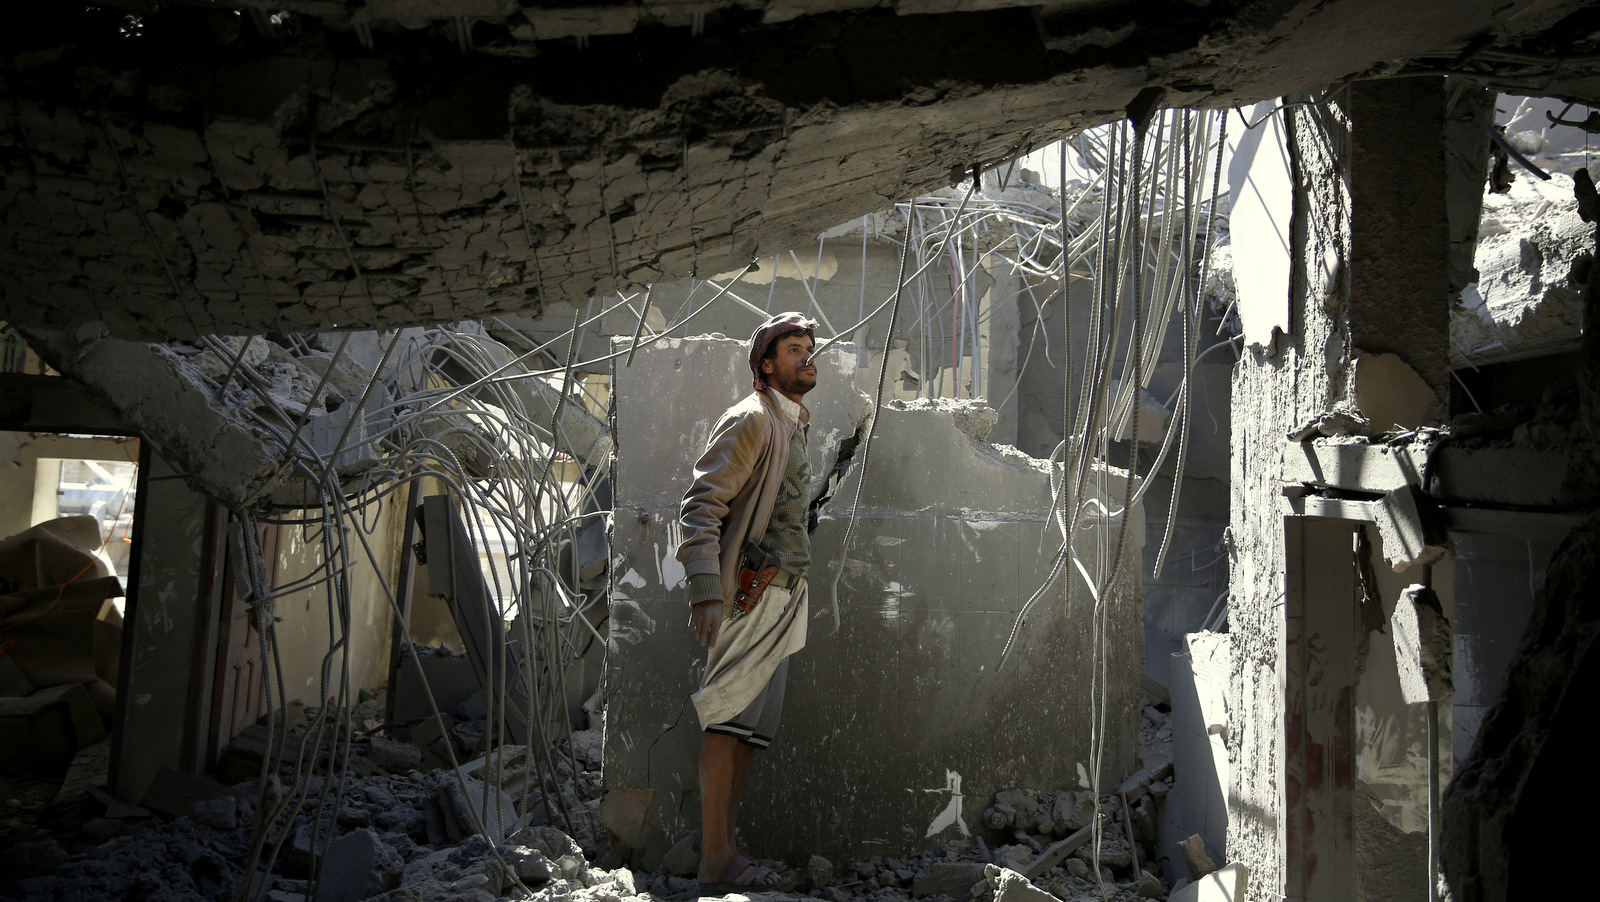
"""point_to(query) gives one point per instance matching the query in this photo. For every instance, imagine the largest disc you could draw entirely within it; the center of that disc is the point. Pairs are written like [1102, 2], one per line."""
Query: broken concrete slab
[1058, 852]
[1010, 886]
[470, 807]
[1492, 475]
[683, 859]
[1411, 527]
[1423, 644]
[347, 867]
[1226, 884]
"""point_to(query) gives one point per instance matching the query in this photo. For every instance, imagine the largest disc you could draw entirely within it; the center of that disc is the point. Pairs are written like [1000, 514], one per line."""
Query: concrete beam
[1508, 476]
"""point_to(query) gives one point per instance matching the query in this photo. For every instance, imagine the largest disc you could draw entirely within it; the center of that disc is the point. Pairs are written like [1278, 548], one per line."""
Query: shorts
[758, 722]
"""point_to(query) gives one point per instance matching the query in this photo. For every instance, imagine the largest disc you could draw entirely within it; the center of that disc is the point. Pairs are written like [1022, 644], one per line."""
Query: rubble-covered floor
[423, 846]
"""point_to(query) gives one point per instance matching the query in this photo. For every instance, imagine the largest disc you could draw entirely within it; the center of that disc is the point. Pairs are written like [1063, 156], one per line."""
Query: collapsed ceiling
[172, 170]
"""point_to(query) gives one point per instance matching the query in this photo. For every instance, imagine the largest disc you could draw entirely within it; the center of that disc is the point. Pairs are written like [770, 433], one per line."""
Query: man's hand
[705, 621]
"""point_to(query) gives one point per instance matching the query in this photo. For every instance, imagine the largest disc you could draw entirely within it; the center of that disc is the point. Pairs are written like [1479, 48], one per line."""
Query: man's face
[789, 369]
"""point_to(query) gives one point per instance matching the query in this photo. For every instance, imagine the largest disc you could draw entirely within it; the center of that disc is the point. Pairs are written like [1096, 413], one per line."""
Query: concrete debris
[1150, 886]
[1053, 856]
[820, 872]
[218, 814]
[469, 806]
[586, 747]
[1532, 259]
[222, 407]
[1410, 527]
[26, 860]
[1334, 423]
[683, 859]
[1422, 646]
[948, 878]
[1195, 857]
[392, 756]
[404, 833]
[1223, 885]
[1010, 886]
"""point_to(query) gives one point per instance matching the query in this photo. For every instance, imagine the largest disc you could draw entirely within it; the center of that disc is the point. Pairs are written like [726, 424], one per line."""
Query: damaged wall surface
[1271, 394]
[196, 170]
[897, 729]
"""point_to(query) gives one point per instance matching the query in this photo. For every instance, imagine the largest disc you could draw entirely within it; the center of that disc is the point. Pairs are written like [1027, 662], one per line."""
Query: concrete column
[1273, 392]
[1399, 244]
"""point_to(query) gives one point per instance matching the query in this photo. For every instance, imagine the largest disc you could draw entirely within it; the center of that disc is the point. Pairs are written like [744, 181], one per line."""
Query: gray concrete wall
[899, 709]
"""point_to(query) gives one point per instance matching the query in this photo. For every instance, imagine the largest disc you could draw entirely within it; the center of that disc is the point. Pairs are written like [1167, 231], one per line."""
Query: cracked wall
[951, 539]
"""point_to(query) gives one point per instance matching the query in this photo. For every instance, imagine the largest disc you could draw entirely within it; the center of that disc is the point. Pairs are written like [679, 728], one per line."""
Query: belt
[786, 579]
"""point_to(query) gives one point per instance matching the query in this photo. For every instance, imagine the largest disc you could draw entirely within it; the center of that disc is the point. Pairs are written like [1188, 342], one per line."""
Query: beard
[792, 383]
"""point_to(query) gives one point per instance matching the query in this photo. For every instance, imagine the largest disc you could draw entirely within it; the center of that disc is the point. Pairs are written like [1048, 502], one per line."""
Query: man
[752, 483]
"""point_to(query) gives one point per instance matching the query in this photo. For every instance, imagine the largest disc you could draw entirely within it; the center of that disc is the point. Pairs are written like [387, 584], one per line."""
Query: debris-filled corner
[1163, 465]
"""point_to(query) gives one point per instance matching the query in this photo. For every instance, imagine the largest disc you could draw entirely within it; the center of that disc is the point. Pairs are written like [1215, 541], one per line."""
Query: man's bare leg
[724, 768]
[717, 755]
[743, 754]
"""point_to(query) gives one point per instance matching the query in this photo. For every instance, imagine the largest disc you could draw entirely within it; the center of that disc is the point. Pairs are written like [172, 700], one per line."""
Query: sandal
[749, 876]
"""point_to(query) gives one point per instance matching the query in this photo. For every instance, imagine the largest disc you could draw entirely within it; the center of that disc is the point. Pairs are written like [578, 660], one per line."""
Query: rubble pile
[403, 834]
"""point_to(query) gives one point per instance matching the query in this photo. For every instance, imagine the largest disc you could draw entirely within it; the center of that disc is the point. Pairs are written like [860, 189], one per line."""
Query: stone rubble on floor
[407, 835]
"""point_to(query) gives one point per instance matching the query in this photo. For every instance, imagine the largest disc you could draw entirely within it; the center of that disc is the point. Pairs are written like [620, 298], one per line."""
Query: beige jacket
[735, 485]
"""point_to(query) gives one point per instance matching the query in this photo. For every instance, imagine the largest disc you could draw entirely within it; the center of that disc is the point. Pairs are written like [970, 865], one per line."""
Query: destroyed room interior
[358, 354]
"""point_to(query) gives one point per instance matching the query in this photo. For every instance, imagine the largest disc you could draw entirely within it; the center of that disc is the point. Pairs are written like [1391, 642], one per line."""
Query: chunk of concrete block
[1010, 886]
[1195, 857]
[1422, 646]
[1408, 524]
[683, 859]
[394, 757]
[221, 813]
[820, 872]
[1052, 856]
[1222, 885]
[347, 867]
[530, 865]
[947, 878]
[432, 730]
[466, 806]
